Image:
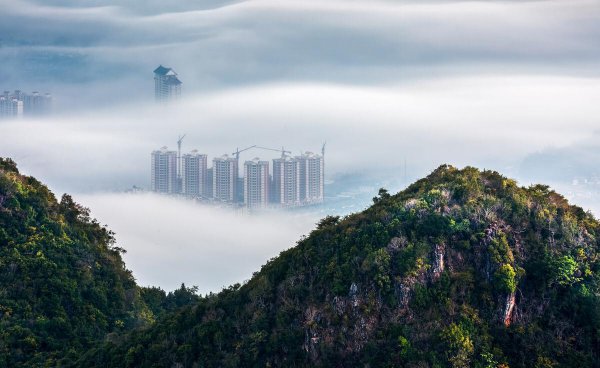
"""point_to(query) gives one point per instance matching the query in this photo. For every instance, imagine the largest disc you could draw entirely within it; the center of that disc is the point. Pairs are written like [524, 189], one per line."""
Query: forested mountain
[462, 269]
[63, 284]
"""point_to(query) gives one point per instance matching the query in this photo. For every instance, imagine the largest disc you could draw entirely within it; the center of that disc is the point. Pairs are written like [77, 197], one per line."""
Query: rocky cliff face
[462, 269]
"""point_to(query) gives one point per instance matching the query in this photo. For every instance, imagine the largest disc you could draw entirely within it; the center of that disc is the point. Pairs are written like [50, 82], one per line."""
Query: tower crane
[179, 165]
[238, 151]
[282, 150]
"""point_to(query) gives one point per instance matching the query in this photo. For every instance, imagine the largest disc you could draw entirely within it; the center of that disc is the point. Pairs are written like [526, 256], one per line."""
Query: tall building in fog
[208, 183]
[311, 177]
[19, 104]
[164, 171]
[10, 107]
[225, 178]
[256, 183]
[286, 181]
[166, 84]
[295, 181]
[193, 174]
[36, 104]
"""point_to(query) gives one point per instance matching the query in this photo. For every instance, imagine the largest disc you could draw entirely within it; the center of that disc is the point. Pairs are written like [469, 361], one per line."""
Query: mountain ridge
[463, 268]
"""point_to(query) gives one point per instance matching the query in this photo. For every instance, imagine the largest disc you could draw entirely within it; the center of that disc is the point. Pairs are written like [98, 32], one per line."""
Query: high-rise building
[208, 184]
[193, 174]
[10, 107]
[19, 104]
[256, 183]
[166, 84]
[164, 171]
[286, 181]
[36, 104]
[311, 177]
[225, 178]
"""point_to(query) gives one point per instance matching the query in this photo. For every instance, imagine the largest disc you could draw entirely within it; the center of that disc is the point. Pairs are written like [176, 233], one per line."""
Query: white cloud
[228, 44]
[170, 241]
[482, 83]
[488, 121]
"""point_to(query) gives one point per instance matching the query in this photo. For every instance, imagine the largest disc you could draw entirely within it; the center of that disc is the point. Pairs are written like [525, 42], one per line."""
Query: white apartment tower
[311, 177]
[193, 174]
[164, 171]
[166, 84]
[11, 106]
[256, 183]
[286, 180]
[225, 177]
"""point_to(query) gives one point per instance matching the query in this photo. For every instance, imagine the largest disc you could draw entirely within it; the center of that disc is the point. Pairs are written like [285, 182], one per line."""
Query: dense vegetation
[462, 269]
[63, 284]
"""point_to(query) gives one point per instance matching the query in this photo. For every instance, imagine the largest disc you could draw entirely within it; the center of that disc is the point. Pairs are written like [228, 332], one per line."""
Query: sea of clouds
[504, 85]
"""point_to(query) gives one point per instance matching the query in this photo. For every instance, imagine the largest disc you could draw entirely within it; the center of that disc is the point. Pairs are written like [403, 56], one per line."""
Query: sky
[504, 85]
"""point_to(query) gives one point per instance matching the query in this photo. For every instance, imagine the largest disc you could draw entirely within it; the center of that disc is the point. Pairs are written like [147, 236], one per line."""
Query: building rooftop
[162, 70]
[173, 80]
[256, 161]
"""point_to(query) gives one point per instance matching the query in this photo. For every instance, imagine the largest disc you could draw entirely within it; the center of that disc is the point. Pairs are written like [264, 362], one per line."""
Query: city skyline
[20, 104]
[294, 180]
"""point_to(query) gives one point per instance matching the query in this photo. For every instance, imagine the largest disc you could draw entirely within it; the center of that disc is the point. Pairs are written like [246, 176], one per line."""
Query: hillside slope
[462, 269]
[63, 286]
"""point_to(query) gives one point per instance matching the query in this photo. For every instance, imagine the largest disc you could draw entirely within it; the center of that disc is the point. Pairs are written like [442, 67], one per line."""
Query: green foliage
[505, 278]
[63, 285]
[381, 195]
[328, 221]
[564, 271]
[420, 279]
[377, 264]
[459, 345]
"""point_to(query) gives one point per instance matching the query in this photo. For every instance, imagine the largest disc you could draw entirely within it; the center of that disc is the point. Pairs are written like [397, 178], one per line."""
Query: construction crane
[179, 166]
[282, 150]
[238, 151]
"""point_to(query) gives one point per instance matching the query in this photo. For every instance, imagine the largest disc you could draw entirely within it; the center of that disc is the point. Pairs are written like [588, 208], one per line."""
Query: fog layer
[395, 88]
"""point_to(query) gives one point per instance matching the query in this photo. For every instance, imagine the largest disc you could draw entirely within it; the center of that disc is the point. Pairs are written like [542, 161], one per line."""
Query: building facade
[311, 177]
[193, 174]
[164, 171]
[286, 191]
[19, 104]
[256, 183]
[37, 104]
[225, 178]
[295, 181]
[167, 85]
[10, 107]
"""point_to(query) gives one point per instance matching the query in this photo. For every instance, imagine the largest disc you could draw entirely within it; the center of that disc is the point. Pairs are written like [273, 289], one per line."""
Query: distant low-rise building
[164, 171]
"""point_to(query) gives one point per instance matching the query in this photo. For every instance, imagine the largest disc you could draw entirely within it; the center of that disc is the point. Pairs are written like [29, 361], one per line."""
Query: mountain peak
[463, 268]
